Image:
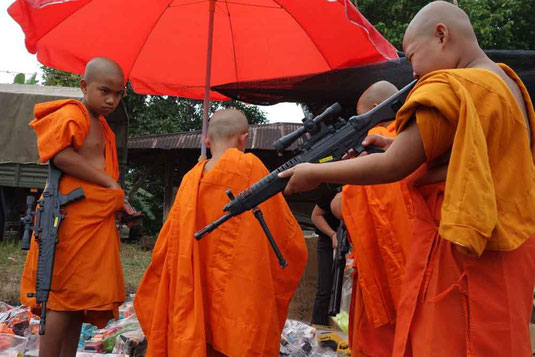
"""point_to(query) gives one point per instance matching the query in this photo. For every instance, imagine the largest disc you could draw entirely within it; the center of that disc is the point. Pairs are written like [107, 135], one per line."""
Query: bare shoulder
[511, 84]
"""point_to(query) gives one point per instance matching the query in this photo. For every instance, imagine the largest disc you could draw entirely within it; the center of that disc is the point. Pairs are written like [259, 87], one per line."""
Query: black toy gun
[48, 216]
[325, 143]
[339, 265]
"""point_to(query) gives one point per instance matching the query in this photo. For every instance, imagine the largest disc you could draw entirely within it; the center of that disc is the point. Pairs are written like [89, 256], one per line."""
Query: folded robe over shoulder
[378, 219]
[226, 290]
[87, 269]
[477, 304]
[489, 201]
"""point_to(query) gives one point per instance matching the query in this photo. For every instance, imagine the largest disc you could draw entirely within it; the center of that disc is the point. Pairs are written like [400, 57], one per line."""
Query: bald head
[440, 37]
[374, 95]
[226, 124]
[102, 67]
[425, 21]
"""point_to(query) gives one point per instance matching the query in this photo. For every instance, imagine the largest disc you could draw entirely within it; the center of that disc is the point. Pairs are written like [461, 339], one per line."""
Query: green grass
[12, 260]
[135, 261]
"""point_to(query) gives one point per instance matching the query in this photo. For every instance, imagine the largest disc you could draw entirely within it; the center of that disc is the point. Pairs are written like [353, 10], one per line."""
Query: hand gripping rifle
[339, 265]
[325, 143]
[48, 215]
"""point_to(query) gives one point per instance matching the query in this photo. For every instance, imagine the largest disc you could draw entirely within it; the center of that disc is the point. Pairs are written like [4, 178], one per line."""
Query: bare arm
[319, 221]
[403, 157]
[336, 205]
[73, 164]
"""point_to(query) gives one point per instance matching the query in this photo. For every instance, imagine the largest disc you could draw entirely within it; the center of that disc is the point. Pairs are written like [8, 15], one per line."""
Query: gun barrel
[212, 226]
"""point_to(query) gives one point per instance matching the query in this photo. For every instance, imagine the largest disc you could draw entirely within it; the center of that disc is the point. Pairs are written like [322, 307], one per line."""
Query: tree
[149, 115]
[154, 114]
[498, 24]
[55, 77]
[20, 78]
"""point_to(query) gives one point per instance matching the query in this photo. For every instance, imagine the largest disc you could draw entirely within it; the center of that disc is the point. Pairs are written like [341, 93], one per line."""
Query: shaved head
[425, 21]
[226, 124]
[439, 37]
[102, 66]
[374, 95]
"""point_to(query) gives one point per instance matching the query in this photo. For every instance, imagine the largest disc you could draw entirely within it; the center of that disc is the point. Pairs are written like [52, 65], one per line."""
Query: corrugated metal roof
[30, 89]
[261, 137]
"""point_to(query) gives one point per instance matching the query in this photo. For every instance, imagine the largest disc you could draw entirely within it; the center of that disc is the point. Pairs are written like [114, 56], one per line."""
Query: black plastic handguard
[48, 217]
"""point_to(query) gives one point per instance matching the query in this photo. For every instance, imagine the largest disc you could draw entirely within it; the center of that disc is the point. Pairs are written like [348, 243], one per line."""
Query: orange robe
[378, 219]
[226, 291]
[87, 268]
[470, 271]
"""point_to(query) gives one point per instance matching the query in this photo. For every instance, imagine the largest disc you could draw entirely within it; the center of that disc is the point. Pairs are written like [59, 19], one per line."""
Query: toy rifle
[48, 216]
[326, 142]
[339, 265]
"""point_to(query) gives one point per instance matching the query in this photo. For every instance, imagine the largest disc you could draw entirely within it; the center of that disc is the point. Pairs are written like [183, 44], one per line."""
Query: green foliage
[55, 77]
[20, 78]
[151, 115]
[498, 24]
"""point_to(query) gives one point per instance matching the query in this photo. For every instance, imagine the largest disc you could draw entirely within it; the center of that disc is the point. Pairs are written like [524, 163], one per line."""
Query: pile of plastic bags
[19, 335]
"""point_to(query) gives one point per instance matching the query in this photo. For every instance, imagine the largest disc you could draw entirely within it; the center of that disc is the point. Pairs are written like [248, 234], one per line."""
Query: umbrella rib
[253, 5]
[148, 35]
[190, 3]
[299, 24]
[233, 47]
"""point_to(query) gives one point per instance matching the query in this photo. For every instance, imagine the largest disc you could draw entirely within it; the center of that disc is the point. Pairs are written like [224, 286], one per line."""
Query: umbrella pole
[206, 103]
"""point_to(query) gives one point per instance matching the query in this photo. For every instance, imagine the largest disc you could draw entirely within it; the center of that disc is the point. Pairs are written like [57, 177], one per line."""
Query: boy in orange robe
[225, 294]
[378, 221]
[470, 271]
[87, 282]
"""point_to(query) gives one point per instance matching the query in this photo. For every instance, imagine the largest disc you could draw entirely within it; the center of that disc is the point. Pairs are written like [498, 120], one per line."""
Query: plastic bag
[128, 342]
[342, 320]
[17, 320]
[347, 289]
[12, 345]
[297, 339]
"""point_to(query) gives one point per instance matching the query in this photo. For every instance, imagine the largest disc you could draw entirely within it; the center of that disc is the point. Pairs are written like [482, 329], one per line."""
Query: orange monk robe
[468, 288]
[378, 219]
[226, 290]
[87, 268]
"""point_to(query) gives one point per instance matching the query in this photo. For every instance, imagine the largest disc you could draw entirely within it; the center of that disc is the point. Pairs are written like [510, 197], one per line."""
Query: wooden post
[167, 185]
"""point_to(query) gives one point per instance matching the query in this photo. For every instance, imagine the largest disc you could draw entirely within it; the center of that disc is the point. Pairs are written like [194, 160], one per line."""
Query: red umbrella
[165, 46]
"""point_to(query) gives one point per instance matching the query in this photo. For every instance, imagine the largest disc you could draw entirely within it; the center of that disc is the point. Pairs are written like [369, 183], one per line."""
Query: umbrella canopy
[347, 84]
[162, 44]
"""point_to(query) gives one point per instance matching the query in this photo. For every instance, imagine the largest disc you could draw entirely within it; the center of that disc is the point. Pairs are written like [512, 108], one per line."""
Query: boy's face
[103, 93]
[428, 53]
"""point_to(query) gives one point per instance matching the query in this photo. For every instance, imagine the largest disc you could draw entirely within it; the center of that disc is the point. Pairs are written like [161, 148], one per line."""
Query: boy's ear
[243, 139]
[442, 33]
[83, 85]
[206, 141]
